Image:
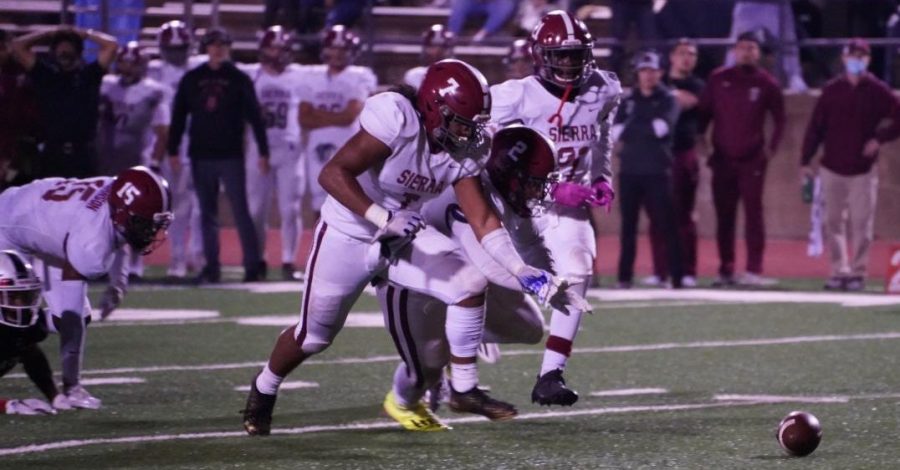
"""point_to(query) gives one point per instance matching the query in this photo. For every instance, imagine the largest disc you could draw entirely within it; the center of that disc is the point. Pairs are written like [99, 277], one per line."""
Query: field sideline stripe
[365, 426]
[517, 352]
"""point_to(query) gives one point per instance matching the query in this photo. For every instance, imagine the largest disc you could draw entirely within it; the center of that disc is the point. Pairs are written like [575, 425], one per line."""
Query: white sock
[464, 326]
[463, 377]
[553, 360]
[267, 382]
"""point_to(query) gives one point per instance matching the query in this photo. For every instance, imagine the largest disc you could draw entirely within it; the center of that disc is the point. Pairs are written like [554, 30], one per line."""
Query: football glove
[538, 283]
[571, 194]
[29, 406]
[401, 229]
[567, 300]
[111, 300]
[603, 195]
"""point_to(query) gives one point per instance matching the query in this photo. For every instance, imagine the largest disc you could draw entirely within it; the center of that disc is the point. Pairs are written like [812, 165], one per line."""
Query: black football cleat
[476, 401]
[258, 413]
[551, 389]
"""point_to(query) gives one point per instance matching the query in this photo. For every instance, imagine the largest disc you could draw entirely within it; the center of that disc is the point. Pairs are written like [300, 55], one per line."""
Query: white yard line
[382, 424]
[629, 392]
[113, 381]
[517, 352]
[295, 385]
[745, 296]
[802, 398]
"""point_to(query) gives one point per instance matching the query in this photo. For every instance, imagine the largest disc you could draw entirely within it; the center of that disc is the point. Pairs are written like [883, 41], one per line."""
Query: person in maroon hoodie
[736, 102]
[847, 120]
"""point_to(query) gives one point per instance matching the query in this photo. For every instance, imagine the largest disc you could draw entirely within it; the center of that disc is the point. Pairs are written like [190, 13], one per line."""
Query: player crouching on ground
[408, 150]
[22, 327]
[77, 229]
[518, 180]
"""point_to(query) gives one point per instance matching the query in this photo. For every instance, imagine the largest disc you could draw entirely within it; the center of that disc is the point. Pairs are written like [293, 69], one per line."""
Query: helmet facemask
[276, 56]
[459, 136]
[529, 195]
[567, 65]
[145, 235]
[19, 305]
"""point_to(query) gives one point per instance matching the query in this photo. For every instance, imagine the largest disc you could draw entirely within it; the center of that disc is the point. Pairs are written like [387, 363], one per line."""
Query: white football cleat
[78, 397]
[689, 281]
[61, 402]
[653, 281]
[29, 407]
[756, 280]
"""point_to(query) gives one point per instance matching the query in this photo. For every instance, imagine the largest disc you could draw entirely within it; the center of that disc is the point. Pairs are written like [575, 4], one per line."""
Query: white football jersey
[414, 76]
[333, 93]
[411, 176]
[128, 115]
[279, 100]
[583, 141]
[57, 219]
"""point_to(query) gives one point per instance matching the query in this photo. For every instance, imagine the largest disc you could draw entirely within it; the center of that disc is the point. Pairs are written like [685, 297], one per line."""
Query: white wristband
[500, 247]
[377, 215]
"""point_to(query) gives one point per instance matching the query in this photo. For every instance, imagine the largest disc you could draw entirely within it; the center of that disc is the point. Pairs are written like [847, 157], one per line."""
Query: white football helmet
[20, 291]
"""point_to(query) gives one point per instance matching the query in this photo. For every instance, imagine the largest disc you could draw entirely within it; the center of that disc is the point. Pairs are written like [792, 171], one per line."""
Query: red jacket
[845, 118]
[736, 100]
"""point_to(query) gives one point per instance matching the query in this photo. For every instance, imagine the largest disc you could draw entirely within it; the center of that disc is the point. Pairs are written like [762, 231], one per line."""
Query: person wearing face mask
[68, 93]
[846, 121]
[736, 102]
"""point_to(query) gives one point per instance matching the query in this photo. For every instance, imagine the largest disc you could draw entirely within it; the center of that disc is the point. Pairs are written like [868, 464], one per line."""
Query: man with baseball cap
[736, 101]
[644, 129]
[846, 120]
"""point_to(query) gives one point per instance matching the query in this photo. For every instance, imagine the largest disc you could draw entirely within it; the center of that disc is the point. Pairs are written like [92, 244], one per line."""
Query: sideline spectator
[18, 119]
[736, 101]
[685, 169]
[68, 93]
[518, 61]
[846, 119]
[644, 126]
[626, 13]
[498, 12]
[219, 98]
[777, 18]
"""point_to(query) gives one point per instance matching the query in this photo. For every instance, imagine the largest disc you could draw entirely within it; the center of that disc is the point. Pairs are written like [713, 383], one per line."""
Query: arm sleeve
[892, 105]
[815, 131]
[179, 115]
[118, 272]
[776, 108]
[38, 370]
[252, 114]
[601, 151]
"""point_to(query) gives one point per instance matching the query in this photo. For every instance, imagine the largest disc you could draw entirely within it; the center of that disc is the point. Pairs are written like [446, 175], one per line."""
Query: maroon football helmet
[521, 167]
[562, 48]
[173, 34]
[437, 44]
[339, 46]
[131, 63]
[276, 37]
[455, 103]
[141, 208]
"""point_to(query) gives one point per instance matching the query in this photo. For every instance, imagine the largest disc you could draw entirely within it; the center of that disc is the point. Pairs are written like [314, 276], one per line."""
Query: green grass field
[685, 382]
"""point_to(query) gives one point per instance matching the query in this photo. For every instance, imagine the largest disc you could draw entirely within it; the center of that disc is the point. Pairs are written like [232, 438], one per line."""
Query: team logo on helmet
[521, 167]
[276, 37]
[141, 207]
[455, 103]
[562, 48]
[20, 291]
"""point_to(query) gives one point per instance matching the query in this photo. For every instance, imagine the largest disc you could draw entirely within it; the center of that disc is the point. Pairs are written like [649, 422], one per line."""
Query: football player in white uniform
[409, 149]
[134, 120]
[518, 61]
[75, 227]
[518, 178]
[175, 45]
[573, 103]
[332, 98]
[437, 44]
[278, 85]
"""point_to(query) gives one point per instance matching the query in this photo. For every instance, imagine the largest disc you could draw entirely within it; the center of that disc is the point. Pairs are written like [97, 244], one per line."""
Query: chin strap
[557, 117]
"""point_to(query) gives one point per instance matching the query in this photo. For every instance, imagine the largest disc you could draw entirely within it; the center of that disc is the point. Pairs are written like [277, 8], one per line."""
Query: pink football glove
[603, 195]
[572, 194]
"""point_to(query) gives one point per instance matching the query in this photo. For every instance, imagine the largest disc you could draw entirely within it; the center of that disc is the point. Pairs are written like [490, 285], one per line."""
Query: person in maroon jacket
[736, 101]
[846, 119]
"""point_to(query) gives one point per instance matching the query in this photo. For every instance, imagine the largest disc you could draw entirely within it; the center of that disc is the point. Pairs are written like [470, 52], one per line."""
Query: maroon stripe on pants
[410, 343]
[309, 279]
[392, 327]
